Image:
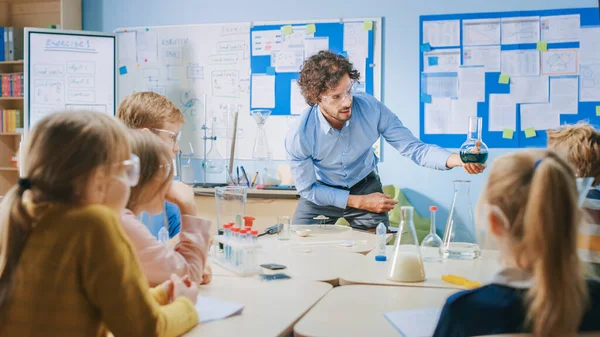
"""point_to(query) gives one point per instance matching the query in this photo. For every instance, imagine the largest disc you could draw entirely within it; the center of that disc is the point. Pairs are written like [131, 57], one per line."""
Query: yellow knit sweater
[78, 276]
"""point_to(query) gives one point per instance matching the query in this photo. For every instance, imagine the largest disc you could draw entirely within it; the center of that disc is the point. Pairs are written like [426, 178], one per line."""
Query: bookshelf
[20, 14]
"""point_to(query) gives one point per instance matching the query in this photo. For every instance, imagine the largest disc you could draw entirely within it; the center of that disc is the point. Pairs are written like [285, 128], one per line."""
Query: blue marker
[245, 176]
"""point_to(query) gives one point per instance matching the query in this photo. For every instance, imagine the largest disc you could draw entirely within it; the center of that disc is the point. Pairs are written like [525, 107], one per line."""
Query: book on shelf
[12, 85]
[11, 43]
[12, 120]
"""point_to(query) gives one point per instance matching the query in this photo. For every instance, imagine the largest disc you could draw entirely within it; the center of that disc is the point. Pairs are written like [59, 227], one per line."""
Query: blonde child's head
[580, 145]
[530, 205]
[149, 110]
[156, 172]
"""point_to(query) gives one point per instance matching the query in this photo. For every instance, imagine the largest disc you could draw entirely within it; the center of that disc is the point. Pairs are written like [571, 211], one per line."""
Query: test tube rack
[237, 257]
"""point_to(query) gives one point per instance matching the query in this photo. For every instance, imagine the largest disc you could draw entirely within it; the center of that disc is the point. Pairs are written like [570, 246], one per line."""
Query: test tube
[235, 231]
[227, 235]
[254, 234]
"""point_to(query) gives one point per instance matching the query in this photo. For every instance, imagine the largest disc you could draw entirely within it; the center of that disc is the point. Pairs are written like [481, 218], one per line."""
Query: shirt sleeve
[173, 215]
[448, 325]
[114, 284]
[403, 140]
[305, 178]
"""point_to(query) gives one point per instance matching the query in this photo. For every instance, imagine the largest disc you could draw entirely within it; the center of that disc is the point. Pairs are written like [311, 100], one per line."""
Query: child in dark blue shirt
[530, 206]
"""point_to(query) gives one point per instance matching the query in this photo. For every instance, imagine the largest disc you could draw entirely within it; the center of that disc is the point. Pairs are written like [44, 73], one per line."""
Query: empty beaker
[231, 204]
[407, 263]
[460, 239]
[474, 150]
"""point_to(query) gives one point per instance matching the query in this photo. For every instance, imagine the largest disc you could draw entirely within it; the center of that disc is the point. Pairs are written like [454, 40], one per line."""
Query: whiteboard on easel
[68, 70]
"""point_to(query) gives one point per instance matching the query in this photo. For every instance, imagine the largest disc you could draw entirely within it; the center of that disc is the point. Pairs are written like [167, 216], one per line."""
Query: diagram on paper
[560, 62]
[481, 32]
[589, 86]
[520, 30]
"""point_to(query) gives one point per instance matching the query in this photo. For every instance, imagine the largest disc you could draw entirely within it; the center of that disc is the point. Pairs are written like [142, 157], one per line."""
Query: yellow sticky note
[287, 30]
[311, 28]
[542, 46]
[508, 134]
[368, 25]
[504, 79]
[598, 111]
[530, 133]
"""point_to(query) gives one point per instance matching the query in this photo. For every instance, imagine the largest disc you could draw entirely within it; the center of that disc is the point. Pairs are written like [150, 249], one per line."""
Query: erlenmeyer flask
[460, 239]
[261, 144]
[407, 263]
[432, 243]
[583, 187]
[474, 150]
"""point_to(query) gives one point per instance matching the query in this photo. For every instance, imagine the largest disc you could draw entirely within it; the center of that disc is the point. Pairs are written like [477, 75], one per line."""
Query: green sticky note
[542, 46]
[311, 28]
[287, 30]
[504, 79]
[508, 134]
[368, 25]
[530, 133]
[598, 111]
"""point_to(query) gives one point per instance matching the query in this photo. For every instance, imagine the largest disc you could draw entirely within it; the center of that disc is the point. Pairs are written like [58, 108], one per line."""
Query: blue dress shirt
[344, 157]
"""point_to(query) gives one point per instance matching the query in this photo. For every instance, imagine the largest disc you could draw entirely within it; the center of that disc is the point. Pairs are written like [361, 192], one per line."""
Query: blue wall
[401, 57]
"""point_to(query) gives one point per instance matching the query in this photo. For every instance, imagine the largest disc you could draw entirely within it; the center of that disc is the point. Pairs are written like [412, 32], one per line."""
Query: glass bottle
[215, 163]
[432, 243]
[407, 263]
[261, 144]
[460, 239]
[474, 149]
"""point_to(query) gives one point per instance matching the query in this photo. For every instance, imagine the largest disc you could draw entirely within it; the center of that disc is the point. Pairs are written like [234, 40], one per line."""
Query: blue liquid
[468, 157]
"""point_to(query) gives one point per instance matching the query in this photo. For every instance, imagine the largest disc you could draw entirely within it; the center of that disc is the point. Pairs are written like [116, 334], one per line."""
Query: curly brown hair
[322, 72]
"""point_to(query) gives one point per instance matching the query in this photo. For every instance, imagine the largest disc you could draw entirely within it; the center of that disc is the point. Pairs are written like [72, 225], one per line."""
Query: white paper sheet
[437, 114]
[564, 93]
[539, 117]
[521, 62]
[147, 46]
[356, 39]
[414, 323]
[440, 85]
[460, 111]
[263, 91]
[314, 45]
[448, 60]
[442, 33]
[589, 85]
[212, 309]
[127, 47]
[589, 45]
[297, 102]
[487, 56]
[295, 41]
[359, 62]
[520, 30]
[529, 89]
[560, 62]
[471, 83]
[287, 61]
[264, 42]
[560, 28]
[481, 32]
[503, 112]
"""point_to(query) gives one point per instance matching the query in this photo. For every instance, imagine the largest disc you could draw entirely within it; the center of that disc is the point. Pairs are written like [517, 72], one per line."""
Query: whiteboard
[68, 70]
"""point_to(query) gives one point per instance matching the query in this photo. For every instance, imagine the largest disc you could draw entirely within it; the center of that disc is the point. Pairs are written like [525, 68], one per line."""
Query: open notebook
[212, 309]
[414, 323]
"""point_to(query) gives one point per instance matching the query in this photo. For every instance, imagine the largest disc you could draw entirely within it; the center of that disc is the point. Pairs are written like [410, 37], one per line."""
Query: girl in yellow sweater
[66, 267]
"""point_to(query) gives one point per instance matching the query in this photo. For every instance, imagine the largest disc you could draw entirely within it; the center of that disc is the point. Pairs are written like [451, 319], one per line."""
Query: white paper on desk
[564, 93]
[460, 111]
[263, 91]
[520, 30]
[442, 33]
[314, 45]
[127, 47]
[560, 28]
[503, 112]
[266, 41]
[487, 56]
[589, 85]
[287, 61]
[415, 323]
[440, 84]
[539, 117]
[297, 102]
[589, 45]
[437, 114]
[521, 62]
[560, 62]
[481, 32]
[448, 60]
[529, 89]
[212, 309]
[471, 83]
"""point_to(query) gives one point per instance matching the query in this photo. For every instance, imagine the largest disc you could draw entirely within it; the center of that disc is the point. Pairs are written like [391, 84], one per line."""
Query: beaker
[407, 263]
[261, 144]
[231, 204]
[474, 150]
[460, 239]
[285, 222]
[583, 186]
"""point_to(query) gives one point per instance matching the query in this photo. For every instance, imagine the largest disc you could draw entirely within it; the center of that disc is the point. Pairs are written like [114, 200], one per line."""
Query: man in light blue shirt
[332, 159]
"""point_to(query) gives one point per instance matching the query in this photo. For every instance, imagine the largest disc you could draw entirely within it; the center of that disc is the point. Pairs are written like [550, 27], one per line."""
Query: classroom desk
[374, 272]
[358, 310]
[260, 317]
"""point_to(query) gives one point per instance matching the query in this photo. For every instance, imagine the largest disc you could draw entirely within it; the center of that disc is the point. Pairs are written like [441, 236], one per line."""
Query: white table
[261, 315]
[358, 310]
[374, 272]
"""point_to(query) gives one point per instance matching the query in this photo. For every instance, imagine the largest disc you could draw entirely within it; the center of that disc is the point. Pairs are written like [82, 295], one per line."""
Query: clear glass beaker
[432, 243]
[407, 263]
[460, 238]
[231, 204]
[474, 150]
[285, 222]
[583, 187]
[261, 148]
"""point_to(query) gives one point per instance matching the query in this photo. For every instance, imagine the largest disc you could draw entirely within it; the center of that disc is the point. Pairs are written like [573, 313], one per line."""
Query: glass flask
[460, 239]
[432, 243]
[215, 163]
[583, 187]
[474, 149]
[231, 205]
[261, 144]
[407, 263]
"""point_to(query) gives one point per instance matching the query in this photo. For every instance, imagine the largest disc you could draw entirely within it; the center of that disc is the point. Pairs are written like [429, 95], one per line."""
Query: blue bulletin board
[563, 40]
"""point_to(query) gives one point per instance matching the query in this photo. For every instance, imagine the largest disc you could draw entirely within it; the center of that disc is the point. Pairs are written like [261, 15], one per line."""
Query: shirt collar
[513, 278]
[324, 123]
